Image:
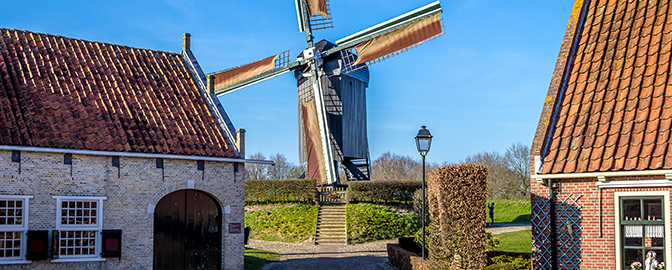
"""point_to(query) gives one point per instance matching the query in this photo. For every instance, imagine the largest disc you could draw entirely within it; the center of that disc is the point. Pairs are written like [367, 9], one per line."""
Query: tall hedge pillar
[457, 211]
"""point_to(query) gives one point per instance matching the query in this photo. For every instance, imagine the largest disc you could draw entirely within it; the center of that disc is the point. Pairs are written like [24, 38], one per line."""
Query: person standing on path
[491, 212]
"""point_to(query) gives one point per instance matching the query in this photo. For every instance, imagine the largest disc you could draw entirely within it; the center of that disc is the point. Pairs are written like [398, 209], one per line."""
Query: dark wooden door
[187, 231]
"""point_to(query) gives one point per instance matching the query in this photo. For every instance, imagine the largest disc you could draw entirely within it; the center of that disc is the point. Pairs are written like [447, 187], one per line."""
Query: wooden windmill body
[331, 82]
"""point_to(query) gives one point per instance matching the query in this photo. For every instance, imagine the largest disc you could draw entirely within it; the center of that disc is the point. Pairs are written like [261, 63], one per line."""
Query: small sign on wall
[235, 228]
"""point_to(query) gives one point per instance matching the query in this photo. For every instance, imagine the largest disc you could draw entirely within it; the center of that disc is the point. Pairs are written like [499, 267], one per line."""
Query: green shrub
[292, 223]
[491, 242]
[509, 263]
[275, 191]
[368, 222]
[398, 191]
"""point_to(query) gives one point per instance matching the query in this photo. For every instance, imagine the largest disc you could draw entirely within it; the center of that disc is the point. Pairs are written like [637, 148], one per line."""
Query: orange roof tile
[75, 94]
[609, 107]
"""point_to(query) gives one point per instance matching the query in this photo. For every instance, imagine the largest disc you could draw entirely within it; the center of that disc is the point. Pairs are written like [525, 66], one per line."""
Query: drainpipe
[554, 248]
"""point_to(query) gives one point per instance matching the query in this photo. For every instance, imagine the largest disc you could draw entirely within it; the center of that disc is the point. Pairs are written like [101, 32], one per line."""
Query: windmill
[331, 81]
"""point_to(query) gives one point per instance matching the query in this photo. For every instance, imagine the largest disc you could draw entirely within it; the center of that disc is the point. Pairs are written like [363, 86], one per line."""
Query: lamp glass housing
[423, 141]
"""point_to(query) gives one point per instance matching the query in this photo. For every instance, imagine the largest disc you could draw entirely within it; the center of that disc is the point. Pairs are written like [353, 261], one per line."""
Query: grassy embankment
[282, 223]
[368, 222]
[513, 211]
[520, 241]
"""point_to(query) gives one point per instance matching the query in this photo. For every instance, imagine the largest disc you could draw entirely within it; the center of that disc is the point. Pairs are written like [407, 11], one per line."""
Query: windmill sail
[390, 37]
[251, 73]
[400, 39]
[314, 155]
[316, 7]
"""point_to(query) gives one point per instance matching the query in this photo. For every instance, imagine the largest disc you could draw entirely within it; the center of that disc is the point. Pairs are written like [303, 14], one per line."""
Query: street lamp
[423, 141]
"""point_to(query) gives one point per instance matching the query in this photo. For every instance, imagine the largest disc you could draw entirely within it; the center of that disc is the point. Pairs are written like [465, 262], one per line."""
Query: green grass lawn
[255, 258]
[516, 211]
[369, 222]
[520, 241]
[283, 223]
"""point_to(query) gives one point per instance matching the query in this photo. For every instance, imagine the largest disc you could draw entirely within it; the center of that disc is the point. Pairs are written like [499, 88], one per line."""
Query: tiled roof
[615, 111]
[68, 93]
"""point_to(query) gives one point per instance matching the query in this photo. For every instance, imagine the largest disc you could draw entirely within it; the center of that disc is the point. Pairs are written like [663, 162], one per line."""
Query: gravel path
[498, 228]
[368, 256]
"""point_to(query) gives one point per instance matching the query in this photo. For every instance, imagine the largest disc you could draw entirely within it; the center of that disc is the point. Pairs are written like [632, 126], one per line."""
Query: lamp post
[423, 141]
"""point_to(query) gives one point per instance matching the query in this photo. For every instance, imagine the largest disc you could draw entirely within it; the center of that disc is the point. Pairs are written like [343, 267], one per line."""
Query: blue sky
[480, 87]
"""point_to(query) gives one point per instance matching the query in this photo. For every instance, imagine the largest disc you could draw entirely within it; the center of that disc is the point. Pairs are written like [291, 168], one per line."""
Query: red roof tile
[75, 94]
[615, 112]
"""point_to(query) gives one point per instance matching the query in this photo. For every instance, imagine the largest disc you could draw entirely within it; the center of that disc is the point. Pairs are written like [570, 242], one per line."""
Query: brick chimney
[240, 141]
[186, 41]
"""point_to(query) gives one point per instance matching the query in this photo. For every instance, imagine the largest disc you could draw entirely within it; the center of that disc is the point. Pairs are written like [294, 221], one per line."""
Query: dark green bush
[505, 262]
[368, 222]
[274, 191]
[397, 191]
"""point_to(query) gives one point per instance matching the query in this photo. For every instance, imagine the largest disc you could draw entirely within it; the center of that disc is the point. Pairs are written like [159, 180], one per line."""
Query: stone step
[333, 229]
[331, 218]
[331, 236]
[331, 225]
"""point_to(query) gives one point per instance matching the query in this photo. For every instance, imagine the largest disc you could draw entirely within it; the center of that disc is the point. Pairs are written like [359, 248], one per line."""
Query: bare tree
[283, 169]
[518, 159]
[395, 167]
[254, 170]
[501, 183]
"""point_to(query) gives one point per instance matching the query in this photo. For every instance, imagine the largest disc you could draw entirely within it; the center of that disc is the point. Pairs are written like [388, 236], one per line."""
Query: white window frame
[23, 228]
[617, 222]
[98, 227]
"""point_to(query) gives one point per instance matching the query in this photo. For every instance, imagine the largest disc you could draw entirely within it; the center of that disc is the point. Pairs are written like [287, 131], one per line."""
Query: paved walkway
[368, 256]
[498, 228]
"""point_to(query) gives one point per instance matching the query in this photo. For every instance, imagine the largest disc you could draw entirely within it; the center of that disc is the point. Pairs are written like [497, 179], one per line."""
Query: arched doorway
[187, 231]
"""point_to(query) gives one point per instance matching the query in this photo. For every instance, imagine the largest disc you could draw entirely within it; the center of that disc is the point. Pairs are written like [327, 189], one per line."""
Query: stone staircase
[330, 229]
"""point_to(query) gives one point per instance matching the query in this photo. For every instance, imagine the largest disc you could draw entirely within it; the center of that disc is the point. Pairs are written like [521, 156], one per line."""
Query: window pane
[660, 254]
[632, 255]
[631, 209]
[654, 235]
[653, 209]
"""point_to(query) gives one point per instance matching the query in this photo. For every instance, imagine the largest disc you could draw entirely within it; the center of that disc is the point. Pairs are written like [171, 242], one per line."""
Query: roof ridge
[86, 40]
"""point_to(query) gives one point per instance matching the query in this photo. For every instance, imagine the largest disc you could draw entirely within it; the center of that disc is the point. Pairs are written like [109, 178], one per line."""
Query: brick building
[601, 159]
[114, 157]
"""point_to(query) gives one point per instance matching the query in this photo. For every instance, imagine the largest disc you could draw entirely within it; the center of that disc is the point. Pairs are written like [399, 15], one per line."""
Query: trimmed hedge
[276, 191]
[384, 191]
[456, 206]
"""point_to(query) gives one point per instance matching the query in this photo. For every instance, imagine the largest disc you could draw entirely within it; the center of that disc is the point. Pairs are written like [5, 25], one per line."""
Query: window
[13, 227]
[643, 227]
[78, 222]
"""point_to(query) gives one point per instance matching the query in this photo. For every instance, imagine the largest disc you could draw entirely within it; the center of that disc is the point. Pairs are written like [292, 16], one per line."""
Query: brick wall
[131, 190]
[598, 252]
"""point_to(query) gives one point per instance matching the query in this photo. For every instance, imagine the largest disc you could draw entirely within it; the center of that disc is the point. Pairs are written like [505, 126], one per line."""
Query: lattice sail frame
[349, 57]
[319, 22]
